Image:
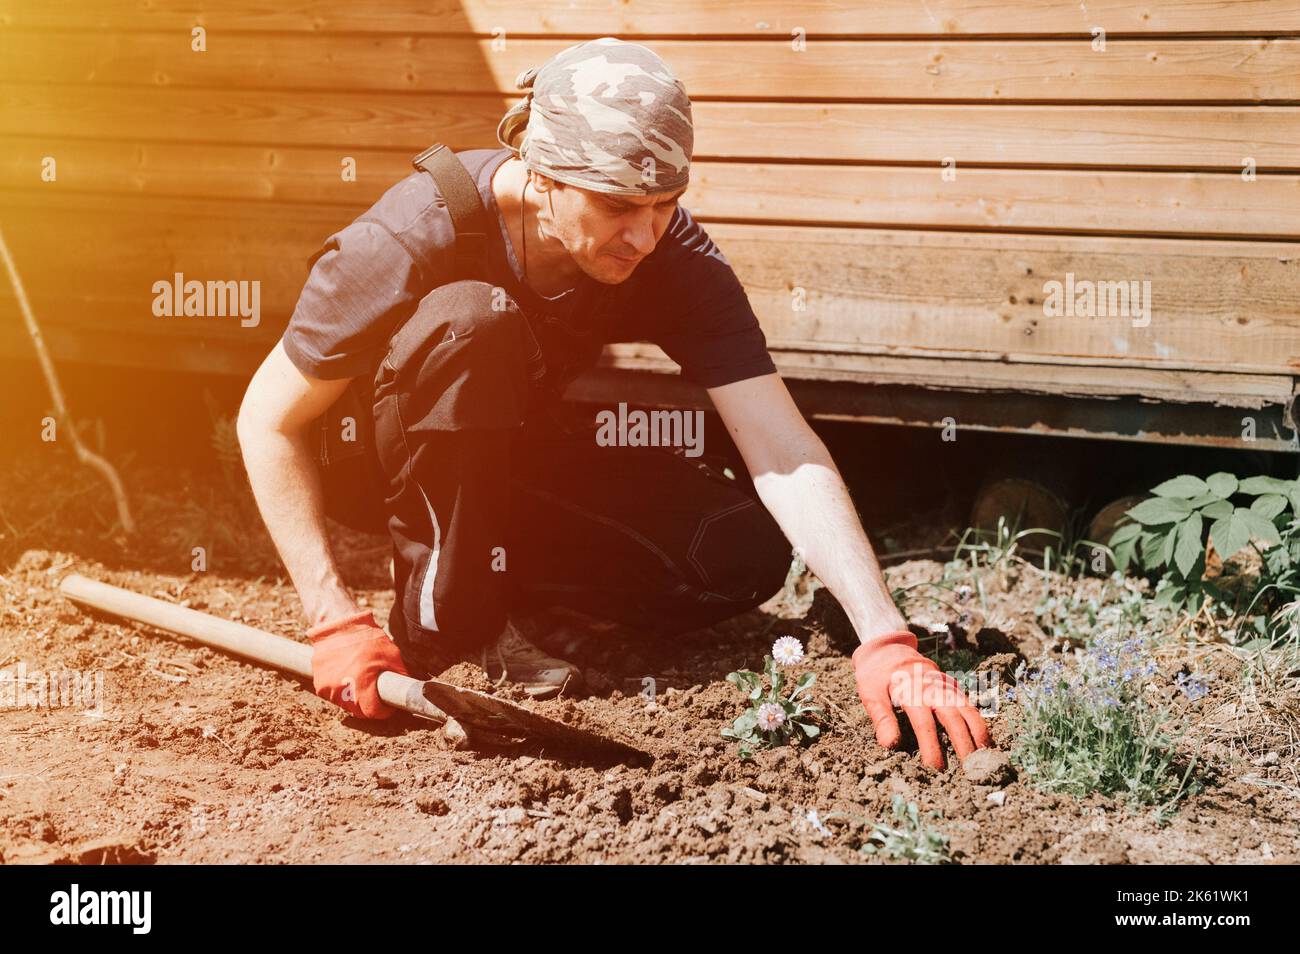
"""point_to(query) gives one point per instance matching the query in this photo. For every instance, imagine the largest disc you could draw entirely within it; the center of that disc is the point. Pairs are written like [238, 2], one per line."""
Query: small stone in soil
[432, 805]
[513, 816]
[667, 787]
[898, 786]
[876, 770]
[987, 767]
[290, 748]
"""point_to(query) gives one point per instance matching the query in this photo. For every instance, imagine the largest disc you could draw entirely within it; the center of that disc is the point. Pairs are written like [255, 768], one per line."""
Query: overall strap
[463, 202]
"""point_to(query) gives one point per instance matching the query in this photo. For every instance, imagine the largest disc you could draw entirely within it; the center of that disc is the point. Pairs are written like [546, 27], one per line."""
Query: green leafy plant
[772, 719]
[1120, 603]
[908, 839]
[1167, 533]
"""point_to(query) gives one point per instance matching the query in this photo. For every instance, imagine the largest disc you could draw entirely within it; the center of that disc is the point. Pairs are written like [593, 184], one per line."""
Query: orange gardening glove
[890, 672]
[347, 656]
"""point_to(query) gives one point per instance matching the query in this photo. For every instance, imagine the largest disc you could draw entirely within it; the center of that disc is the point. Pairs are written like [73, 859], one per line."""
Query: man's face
[608, 235]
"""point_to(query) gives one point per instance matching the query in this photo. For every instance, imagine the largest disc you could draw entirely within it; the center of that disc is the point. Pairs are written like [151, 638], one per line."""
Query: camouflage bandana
[604, 115]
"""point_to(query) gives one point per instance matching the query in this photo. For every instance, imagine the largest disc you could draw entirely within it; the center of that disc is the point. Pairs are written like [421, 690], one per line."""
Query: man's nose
[641, 236]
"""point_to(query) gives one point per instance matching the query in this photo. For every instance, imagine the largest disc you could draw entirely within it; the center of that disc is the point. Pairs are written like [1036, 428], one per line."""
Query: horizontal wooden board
[1059, 135]
[1146, 70]
[336, 120]
[43, 120]
[94, 260]
[1244, 390]
[667, 17]
[1199, 409]
[1215, 306]
[1147, 203]
[208, 346]
[195, 354]
[1133, 418]
[1142, 203]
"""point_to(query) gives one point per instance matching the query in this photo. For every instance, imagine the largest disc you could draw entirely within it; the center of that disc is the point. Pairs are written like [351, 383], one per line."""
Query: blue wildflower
[1193, 687]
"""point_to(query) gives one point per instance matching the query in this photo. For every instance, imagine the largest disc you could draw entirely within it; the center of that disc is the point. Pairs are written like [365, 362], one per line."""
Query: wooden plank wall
[895, 182]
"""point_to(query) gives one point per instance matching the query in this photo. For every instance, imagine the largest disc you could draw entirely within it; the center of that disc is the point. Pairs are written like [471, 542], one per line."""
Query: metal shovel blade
[511, 720]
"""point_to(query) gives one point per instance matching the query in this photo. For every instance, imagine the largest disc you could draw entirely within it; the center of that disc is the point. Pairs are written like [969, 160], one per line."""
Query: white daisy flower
[770, 716]
[787, 651]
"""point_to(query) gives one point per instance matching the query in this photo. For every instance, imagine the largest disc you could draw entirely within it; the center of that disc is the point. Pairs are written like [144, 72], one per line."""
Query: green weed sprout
[910, 840]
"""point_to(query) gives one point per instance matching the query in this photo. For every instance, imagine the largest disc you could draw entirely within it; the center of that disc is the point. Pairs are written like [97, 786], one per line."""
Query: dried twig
[84, 454]
[167, 676]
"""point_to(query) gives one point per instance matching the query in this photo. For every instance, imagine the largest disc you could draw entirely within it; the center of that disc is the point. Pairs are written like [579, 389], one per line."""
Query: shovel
[434, 700]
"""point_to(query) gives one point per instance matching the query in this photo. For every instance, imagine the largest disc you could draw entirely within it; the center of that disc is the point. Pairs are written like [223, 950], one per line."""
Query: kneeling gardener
[495, 505]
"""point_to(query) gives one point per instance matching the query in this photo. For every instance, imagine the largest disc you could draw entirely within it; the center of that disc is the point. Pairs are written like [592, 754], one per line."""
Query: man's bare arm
[800, 485]
[274, 433]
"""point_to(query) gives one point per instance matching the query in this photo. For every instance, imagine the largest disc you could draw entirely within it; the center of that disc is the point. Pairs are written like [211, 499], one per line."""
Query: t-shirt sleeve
[363, 284]
[706, 323]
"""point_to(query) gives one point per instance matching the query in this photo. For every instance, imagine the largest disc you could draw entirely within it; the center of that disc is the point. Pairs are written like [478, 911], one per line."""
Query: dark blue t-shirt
[369, 277]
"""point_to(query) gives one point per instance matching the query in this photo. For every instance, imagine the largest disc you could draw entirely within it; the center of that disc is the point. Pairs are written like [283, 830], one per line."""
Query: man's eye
[659, 207]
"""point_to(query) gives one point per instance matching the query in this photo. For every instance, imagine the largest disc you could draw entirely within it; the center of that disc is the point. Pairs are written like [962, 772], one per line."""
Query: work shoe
[571, 634]
[512, 658]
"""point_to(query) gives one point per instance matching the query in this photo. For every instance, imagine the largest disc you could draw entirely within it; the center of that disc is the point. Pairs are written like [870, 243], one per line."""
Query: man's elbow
[248, 422]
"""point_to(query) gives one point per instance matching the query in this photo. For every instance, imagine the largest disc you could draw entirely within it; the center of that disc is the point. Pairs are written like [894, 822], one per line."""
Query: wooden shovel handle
[400, 692]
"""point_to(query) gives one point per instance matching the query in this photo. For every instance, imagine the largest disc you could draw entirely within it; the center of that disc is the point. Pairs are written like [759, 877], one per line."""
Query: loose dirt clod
[987, 767]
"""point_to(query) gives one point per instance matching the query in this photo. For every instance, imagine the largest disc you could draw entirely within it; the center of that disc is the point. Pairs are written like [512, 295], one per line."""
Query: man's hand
[890, 672]
[347, 656]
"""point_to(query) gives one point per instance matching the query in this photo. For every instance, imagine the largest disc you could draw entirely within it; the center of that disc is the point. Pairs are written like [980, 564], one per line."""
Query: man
[495, 505]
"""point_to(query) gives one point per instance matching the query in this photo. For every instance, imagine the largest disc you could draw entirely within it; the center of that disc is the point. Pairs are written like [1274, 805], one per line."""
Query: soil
[199, 757]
